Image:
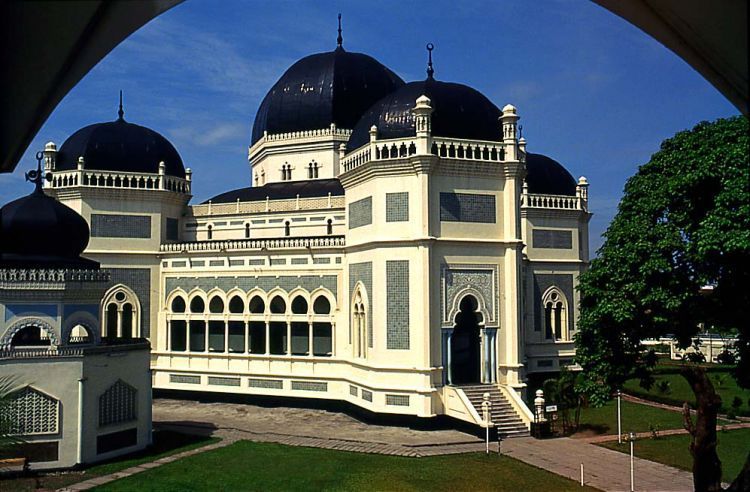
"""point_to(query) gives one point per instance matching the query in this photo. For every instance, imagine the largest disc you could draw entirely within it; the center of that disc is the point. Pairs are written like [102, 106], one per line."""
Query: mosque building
[398, 247]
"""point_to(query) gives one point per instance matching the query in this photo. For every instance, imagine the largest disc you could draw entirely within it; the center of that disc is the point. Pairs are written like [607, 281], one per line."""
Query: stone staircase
[507, 422]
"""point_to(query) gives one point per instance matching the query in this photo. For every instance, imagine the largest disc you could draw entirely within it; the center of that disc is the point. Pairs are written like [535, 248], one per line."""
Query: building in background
[399, 249]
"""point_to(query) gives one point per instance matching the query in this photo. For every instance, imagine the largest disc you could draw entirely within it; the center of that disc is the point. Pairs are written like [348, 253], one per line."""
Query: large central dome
[333, 87]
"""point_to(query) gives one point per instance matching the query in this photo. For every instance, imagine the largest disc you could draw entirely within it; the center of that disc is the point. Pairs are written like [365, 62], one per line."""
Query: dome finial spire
[430, 70]
[37, 176]
[340, 39]
[120, 112]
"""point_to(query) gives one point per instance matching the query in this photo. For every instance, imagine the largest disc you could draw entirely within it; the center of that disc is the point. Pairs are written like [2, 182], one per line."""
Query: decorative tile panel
[397, 400]
[184, 379]
[397, 303]
[299, 261]
[310, 385]
[479, 280]
[397, 207]
[360, 213]
[139, 281]
[321, 261]
[247, 283]
[542, 282]
[353, 390]
[367, 395]
[173, 229]
[265, 383]
[121, 226]
[551, 239]
[29, 411]
[118, 404]
[467, 207]
[223, 381]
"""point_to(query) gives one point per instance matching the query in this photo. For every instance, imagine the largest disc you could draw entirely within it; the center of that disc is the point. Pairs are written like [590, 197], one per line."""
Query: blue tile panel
[397, 400]
[309, 386]
[542, 282]
[362, 272]
[467, 207]
[265, 383]
[139, 281]
[247, 283]
[124, 226]
[551, 238]
[397, 207]
[397, 303]
[360, 213]
[21, 309]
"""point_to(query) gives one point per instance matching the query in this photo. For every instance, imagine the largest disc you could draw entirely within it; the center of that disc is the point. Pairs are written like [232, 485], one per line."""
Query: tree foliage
[683, 224]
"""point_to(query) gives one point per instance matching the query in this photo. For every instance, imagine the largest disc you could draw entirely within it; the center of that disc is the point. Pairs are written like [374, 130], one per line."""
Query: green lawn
[673, 450]
[165, 444]
[635, 418]
[248, 465]
[680, 391]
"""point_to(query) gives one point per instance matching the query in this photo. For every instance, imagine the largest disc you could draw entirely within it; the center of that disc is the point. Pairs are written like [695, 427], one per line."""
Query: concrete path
[662, 433]
[604, 468]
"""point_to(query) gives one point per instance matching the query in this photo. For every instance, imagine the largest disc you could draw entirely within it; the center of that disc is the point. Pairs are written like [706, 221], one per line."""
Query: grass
[721, 377]
[249, 465]
[673, 451]
[635, 417]
[165, 443]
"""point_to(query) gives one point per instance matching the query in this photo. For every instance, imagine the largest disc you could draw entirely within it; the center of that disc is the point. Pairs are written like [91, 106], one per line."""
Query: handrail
[261, 243]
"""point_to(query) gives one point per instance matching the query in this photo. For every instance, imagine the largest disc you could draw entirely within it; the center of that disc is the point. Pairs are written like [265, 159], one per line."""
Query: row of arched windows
[256, 324]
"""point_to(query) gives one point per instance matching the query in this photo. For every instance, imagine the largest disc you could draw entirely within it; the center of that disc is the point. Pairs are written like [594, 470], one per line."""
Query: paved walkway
[603, 468]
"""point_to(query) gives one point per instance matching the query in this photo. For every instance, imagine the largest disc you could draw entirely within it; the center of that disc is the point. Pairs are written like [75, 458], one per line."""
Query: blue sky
[593, 92]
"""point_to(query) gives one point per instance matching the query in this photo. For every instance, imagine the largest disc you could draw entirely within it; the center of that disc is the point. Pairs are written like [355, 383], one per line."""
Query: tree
[683, 224]
[562, 391]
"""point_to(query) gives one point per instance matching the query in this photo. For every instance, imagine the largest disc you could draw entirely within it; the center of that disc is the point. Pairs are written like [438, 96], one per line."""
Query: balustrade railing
[113, 179]
[557, 202]
[268, 205]
[257, 244]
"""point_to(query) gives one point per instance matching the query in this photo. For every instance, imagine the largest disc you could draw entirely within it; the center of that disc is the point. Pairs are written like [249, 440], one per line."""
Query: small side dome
[39, 231]
[459, 111]
[546, 176]
[119, 146]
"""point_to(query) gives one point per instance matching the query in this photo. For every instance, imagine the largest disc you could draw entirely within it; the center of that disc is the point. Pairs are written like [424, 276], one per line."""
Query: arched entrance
[465, 345]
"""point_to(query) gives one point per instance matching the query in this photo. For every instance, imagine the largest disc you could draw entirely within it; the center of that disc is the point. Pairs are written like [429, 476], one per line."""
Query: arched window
[278, 305]
[121, 313]
[210, 232]
[299, 305]
[321, 305]
[329, 227]
[216, 305]
[178, 305]
[555, 315]
[197, 305]
[287, 228]
[310, 170]
[247, 231]
[257, 306]
[79, 334]
[236, 305]
[359, 325]
[31, 336]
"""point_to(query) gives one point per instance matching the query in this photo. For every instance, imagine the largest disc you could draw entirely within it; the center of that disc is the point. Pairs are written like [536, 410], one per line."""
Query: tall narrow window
[329, 227]
[210, 232]
[555, 315]
[247, 231]
[287, 228]
[310, 170]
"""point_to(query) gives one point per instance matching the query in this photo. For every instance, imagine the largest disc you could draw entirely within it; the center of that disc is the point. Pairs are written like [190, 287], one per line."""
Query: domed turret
[119, 146]
[323, 89]
[39, 231]
[546, 176]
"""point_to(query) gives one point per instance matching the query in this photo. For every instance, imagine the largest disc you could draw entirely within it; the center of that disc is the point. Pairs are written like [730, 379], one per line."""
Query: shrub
[726, 357]
[664, 387]
[736, 403]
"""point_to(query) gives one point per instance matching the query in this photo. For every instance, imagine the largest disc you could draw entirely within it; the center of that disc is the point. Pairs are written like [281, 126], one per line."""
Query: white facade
[434, 268]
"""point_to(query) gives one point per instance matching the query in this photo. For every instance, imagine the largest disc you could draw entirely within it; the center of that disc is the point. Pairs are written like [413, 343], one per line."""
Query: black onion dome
[546, 176]
[333, 87]
[458, 111]
[37, 230]
[119, 146]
